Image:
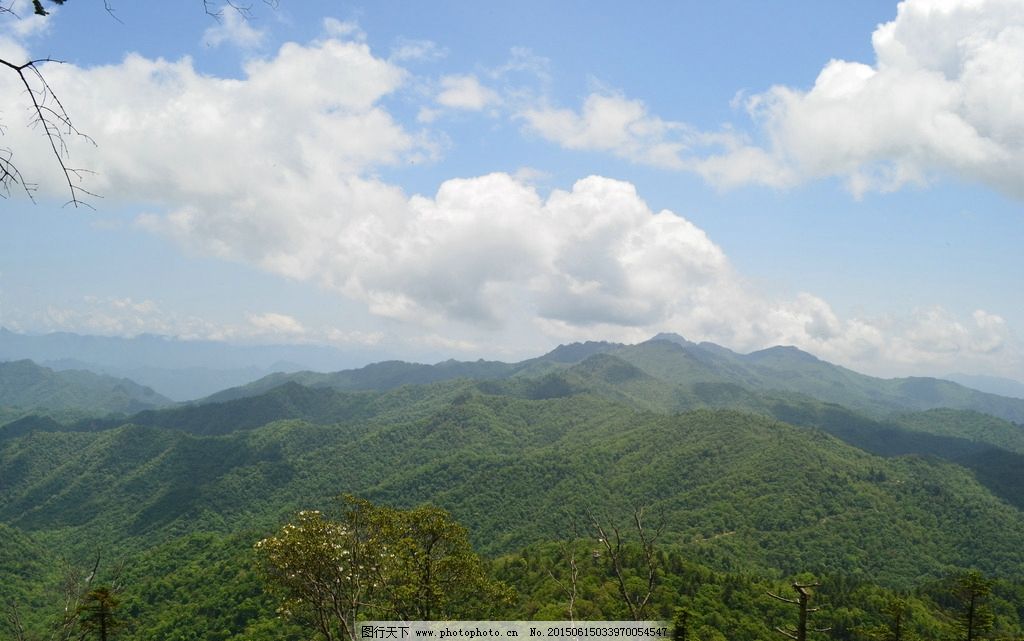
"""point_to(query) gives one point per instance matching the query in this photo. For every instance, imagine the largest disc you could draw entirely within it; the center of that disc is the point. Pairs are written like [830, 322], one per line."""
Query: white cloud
[112, 316]
[614, 124]
[465, 92]
[418, 50]
[274, 323]
[233, 28]
[279, 170]
[343, 30]
[523, 61]
[18, 25]
[945, 96]
[125, 316]
[166, 134]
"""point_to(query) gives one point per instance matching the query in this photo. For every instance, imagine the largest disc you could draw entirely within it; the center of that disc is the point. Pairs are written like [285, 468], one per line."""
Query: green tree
[972, 589]
[96, 614]
[681, 625]
[433, 572]
[328, 572]
[376, 561]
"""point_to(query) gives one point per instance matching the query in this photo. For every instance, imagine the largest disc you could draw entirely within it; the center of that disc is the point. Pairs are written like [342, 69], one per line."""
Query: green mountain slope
[749, 472]
[24, 384]
[732, 486]
[698, 369]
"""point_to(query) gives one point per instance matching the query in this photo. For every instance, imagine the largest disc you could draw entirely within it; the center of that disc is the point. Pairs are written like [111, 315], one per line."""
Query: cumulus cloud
[279, 170]
[233, 28]
[611, 123]
[465, 92]
[168, 134]
[343, 29]
[945, 96]
[21, 20]
[115, 316]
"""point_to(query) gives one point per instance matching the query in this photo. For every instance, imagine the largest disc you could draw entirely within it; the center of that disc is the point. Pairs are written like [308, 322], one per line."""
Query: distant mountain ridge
[680, 363]
[991, 384]
[26, 385]
[180, 369]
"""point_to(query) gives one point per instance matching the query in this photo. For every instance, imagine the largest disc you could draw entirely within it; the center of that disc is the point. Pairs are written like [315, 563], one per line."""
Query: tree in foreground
[96, 614]
[804, 610]
[972, 590]
[636, 592]
[376, 562]
[85, 608]
[432, 571]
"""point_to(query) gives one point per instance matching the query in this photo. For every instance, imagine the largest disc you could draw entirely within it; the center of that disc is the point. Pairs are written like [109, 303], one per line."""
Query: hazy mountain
[182, 384]
[24, 384]
[690, 368]
[990, 384]
[179, 369]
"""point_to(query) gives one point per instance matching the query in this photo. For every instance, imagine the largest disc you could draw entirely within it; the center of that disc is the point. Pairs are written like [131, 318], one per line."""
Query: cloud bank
[278, 170]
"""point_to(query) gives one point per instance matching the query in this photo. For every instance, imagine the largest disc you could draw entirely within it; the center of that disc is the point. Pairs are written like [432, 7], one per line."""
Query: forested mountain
[23, 384]
[991, 384]
[751, 474]
[683, 365]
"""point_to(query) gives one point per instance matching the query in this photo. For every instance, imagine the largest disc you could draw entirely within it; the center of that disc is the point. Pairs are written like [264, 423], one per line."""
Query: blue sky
[491, 179]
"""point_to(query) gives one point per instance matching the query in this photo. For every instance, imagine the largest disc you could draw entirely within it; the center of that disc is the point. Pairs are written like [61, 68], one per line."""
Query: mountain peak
[671, 337]
[576, 352]
[787, 352]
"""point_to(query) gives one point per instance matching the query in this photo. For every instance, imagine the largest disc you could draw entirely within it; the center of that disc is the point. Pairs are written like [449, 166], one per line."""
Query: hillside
[23, 384]
[698, 369]
[732, 485]
[752, 479]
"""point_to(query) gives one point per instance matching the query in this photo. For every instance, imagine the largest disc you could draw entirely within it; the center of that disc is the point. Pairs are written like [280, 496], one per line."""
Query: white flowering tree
[377, 562]
[327, 572]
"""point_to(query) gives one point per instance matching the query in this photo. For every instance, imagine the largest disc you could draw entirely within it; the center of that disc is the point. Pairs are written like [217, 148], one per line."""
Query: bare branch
[49, 115]
[775, 596]
[110, 9]
[637, 604]
[569, 552]
[14, 621]
[217, 13]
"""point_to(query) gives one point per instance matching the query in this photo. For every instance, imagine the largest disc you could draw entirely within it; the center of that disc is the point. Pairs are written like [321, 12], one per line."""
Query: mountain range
[769, 464]
[179, 369]
[688, 375]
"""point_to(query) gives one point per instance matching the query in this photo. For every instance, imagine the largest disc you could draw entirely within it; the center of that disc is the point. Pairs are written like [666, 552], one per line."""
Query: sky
[488, 180]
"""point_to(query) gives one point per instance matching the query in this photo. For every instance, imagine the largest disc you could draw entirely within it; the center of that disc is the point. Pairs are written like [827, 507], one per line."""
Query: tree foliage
[376, 562]
[97, 613]
[971, 590]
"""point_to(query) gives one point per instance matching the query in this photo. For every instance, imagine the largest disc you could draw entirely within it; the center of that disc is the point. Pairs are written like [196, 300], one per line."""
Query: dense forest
[578, 485]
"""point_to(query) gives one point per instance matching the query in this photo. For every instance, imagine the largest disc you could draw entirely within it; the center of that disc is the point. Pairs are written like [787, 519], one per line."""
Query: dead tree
[635, 602]
[78, 591]
[569, 552]
[800, 634]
